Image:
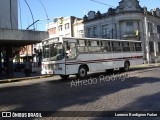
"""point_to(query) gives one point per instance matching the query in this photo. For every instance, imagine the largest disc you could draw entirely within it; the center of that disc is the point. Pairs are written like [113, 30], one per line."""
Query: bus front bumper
[47, 72]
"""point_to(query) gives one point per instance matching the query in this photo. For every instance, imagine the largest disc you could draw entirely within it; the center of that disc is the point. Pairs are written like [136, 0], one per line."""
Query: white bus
[66, 56]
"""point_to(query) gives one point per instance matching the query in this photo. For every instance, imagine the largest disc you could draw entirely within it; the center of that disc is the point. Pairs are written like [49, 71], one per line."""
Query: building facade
[78, 28]
[127, 21]
[69, 27]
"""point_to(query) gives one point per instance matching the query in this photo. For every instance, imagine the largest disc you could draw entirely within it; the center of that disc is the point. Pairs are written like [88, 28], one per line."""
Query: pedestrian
[27, 67]
[5, 67]
[68, 51]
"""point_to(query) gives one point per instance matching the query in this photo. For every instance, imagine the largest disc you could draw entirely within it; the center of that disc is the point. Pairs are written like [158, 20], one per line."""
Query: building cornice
[125, 7]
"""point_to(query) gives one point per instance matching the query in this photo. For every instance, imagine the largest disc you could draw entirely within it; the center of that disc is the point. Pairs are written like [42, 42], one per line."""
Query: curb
[146, 65]
[21, 79]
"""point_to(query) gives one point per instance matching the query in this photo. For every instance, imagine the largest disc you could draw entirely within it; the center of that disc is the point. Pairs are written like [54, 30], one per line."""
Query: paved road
[137, 90]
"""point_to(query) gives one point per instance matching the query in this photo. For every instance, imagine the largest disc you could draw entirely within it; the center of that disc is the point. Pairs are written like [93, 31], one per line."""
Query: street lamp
[36, 22]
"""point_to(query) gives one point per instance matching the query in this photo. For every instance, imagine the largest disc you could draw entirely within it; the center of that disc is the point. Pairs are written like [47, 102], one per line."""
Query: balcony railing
[106, 36]
[154, 35]
[129, 35]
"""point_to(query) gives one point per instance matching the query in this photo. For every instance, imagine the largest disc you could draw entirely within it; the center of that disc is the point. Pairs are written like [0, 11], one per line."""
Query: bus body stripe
[99, 60]
[104, 60]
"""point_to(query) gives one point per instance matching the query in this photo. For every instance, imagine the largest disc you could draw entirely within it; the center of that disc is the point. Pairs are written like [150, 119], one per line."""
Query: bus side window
[71, 51]
[116, 46]
[105, 46]
[82, 46]
[132, 46]
[138, 47]
[125, 46]
[94, 46]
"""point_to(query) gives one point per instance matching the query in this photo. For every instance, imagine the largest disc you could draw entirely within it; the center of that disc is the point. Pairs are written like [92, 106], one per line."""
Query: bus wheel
[64, 77]
[126, 67]
[82, 72]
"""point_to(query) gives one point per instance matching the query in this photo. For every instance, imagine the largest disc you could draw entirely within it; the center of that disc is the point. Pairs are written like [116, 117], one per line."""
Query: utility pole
[155, 37]
[146, 35]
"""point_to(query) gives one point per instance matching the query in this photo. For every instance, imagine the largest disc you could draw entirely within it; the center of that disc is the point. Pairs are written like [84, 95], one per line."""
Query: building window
[89, 32]
[151, 46]
[158, 46]
[67, 26]
[60, 28]
[129, 27]
[105, 31]
[81, 33]
[158, 29]
[95, 31]
[150, 28]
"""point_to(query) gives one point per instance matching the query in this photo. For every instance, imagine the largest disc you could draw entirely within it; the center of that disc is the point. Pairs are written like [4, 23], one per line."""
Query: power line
[44, 8]
[102, 3]
[30, 12]
[45, 11]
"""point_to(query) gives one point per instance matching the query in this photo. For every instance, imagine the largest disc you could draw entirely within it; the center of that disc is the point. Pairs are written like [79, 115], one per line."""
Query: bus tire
[64, 77]
[82, 72]
[126, 67]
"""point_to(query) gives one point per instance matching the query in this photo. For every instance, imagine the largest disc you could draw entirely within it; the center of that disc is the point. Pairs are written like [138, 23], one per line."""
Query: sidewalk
[143, 66]
[20, 75]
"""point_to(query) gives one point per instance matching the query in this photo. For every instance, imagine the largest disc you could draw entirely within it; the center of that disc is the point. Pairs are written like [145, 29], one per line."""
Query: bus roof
[93, 39]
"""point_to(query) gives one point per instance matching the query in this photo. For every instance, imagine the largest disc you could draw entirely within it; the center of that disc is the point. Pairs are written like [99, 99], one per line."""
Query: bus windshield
[56, 51]
[46, 51]
[53, 51]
